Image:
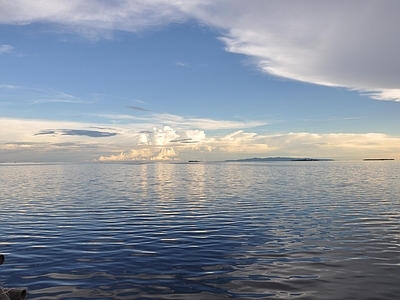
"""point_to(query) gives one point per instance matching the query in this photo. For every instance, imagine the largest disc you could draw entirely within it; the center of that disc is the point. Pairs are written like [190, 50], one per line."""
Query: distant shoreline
[259, 159]
[375, 159]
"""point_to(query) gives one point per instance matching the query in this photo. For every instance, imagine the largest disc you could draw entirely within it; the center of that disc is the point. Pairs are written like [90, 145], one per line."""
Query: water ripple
[201, 231]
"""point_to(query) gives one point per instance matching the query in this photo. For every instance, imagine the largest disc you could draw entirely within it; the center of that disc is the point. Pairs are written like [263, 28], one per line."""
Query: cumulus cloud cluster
[160, 144]
[145, 154]
[350, 44]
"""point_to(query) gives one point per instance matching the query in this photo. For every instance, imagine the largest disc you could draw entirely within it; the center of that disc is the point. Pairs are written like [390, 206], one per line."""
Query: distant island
[261, 159]
[373, 159]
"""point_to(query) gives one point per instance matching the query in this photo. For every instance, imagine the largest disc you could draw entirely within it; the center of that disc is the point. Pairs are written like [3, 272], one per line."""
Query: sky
[204, 80]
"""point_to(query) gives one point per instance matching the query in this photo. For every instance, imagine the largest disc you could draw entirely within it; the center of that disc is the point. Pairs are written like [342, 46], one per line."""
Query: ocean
[266, 230]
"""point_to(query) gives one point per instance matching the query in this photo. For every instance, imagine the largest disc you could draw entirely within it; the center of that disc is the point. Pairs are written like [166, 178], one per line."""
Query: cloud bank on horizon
[128, 142]
[349, 44]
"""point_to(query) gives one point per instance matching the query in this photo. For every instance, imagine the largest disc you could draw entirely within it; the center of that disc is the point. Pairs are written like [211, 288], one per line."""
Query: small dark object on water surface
[11, 294]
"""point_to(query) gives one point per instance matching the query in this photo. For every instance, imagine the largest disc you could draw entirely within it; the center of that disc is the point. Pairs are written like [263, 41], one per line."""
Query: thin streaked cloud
[136, 108]
[9, 86]
[77, 132]
[6, 49]
[181, 64]
[184, 122]
[41, 95]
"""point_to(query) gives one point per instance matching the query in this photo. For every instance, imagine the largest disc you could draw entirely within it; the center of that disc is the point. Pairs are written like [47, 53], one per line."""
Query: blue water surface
[272, 230]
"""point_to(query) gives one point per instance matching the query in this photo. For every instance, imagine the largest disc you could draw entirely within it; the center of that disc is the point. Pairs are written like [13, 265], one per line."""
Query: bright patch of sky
[198, 79]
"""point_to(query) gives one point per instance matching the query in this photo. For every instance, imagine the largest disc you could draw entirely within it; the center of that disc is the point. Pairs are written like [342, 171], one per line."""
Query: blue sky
[198, 79]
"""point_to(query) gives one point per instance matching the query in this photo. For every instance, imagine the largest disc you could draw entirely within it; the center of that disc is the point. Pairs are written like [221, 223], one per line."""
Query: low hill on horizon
[260, 159]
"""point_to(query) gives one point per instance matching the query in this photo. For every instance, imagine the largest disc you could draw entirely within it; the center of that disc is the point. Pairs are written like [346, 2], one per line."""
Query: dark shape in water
[11, 294]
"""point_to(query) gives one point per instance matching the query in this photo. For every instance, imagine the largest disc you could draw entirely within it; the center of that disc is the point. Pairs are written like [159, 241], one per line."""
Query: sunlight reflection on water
[315, 230]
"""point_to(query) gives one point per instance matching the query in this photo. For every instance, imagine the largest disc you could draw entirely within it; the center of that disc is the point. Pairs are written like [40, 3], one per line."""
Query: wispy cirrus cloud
[6, 49]
[39, 95]
[205, 123]
[9, 86]
[182, 121]
[181, 64]
[59, 97]
[350, 44]
[94, 19]
[133, 107]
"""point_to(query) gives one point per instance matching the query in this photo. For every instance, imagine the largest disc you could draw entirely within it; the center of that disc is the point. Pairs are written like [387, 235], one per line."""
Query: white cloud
[144, 154]
[205, 124]
[6, 49]
[18, 94]
[351, 44]
[382, 94]
[95, 18]
[9, 86]
[181, 64]
[194, 135]
[159, 137]
[184, 123]
[59, 97]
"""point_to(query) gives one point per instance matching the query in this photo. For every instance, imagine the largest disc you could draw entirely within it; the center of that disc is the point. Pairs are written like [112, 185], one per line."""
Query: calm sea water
[279, 230]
